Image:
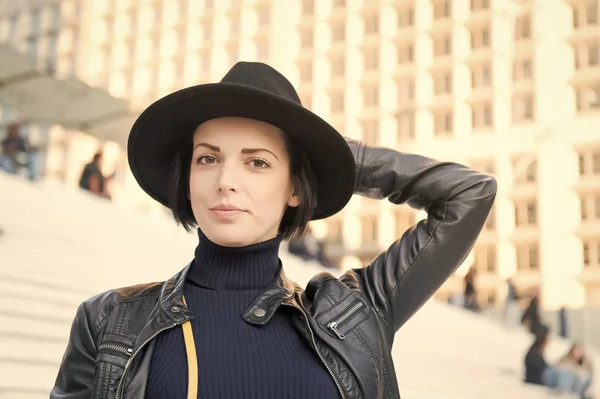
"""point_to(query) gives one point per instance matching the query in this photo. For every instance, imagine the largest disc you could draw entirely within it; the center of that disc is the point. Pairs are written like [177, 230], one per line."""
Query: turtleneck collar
[235, 268]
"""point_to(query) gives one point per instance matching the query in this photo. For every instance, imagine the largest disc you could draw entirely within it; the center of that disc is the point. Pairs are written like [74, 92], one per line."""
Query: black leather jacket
[349, 321]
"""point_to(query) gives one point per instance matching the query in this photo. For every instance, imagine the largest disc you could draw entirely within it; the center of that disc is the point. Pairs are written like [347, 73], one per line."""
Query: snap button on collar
[259, 312]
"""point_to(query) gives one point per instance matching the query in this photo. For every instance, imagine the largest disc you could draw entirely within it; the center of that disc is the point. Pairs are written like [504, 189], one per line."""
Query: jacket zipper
[117, 348]
[128, 364]
[314, 344]
[343, 319]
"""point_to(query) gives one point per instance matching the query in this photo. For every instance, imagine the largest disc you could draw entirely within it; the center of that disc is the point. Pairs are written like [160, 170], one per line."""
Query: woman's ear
[294, 199]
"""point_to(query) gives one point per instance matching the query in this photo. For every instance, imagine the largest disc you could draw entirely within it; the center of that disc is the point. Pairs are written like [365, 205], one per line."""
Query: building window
[157, 11]
[371, 59]
[585, 14]
[370, 132]
[481, 76]
[528, 256]
[485, 258]
[484, 166]
[33, 47]
[526, 213]
[264, 17]
[481, 115]
[369, 229]
[337, 102]
[591, 12]
[370, 96]
[523, 27]
[207, 32]
[522, 109]
[442, 83]
[406, 127]
[589, 162]
[590, 207]
[588, 98]
[306, 40]
[478, 5]
[490, 222]
[262, 50]
[522, 70]
[372, 25]
[335, 231]
[406, 91]
[405, 54]
[442, 9]
[234, 56]
[480, 38]
[56, 17]
[406, 17]
[338, 67]
[306, 100]
[591, 252]
[35, 22]
[13, 28]
[587, 54]
[592, 53]
[442, 46]
[524, 170]
[443, 122]
[308, 7]
[52, 45]
[338, 33]
[405, 219]
[306, 72]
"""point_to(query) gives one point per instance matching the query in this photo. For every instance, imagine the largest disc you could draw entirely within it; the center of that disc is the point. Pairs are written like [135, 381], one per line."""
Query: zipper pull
[333, 327]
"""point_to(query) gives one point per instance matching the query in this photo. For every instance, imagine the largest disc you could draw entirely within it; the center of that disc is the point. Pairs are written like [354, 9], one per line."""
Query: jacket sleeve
[76, 374]
[457, 200]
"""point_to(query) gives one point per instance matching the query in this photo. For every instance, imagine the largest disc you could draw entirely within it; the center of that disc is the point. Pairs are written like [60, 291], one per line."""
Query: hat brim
[164, 126]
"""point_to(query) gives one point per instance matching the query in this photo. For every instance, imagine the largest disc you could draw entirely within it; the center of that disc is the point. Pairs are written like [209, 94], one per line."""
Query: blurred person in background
[92, 178]
[244, 163]
[535, 361]
[531, 318]
[511, 304]
[580, 365]
[308, 247]
[470, 293]
[571, 375]
[18, 153]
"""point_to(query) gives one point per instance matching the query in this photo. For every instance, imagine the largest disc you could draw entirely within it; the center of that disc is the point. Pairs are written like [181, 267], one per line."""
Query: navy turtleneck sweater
[236, 359]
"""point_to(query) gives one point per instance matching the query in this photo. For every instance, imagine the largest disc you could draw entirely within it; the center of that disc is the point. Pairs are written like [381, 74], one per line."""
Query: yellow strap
[190, 350]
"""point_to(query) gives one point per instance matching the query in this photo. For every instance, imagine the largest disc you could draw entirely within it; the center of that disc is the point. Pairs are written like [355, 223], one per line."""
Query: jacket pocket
[115, 349]
[344, 317]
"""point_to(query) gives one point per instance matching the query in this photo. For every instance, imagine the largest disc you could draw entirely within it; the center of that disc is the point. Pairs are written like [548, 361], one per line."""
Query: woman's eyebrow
[209, 146]
[253, 150]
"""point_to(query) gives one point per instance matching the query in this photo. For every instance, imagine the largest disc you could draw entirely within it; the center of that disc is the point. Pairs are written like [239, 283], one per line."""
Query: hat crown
[261, 76]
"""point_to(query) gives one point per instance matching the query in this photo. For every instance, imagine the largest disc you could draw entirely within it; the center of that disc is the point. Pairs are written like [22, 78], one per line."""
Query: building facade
[511, 88]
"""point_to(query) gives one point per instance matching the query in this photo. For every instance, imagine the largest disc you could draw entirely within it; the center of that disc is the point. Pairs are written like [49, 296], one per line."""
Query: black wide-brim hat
[250, 90]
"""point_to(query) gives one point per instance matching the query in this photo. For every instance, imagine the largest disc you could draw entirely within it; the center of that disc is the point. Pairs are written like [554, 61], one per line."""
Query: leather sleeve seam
[420, 252]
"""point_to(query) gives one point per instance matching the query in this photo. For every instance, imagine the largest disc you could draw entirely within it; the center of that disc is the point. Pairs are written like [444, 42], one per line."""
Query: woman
[580, 367]
[572, 374]
[535, 363]
[244, 162]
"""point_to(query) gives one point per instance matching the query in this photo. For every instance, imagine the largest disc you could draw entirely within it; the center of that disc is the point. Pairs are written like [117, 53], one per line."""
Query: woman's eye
[259, 163]
[206, 160]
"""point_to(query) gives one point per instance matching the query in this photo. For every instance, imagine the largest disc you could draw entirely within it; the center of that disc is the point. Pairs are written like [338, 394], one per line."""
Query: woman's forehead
[233, 132]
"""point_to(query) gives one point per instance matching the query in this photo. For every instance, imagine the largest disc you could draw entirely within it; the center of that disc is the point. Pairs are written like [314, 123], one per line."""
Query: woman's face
[240, 182]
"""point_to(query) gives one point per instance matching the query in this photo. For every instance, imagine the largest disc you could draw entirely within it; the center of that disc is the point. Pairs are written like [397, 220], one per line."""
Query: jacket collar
[280, 290]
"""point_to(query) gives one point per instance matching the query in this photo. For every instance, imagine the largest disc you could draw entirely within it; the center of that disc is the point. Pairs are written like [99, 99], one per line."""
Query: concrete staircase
[60, 246]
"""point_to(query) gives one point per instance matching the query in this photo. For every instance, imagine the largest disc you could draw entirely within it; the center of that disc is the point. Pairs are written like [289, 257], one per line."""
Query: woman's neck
[234, 268]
